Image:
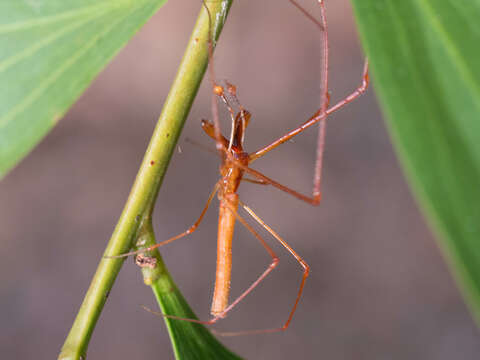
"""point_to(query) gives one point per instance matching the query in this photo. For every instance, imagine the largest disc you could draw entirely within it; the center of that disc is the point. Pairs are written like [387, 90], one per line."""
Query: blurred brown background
[379, 288]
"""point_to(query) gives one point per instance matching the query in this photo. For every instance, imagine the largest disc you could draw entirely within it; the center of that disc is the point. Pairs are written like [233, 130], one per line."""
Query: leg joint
[306, 268]
[191, 229]
[317, 198]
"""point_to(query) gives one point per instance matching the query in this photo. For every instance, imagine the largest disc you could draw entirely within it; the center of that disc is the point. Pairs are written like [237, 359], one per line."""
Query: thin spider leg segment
[317, 175]
[210, 322]
[190, 230]
[307, 14]
[253, 181]
[303, 264]
[315, 118]
[200, 145]
[267, 180]
[262, 276]
[324, 100]
[215, 88]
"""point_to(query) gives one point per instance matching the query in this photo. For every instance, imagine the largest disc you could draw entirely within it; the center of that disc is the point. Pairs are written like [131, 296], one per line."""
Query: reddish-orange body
[227, 194]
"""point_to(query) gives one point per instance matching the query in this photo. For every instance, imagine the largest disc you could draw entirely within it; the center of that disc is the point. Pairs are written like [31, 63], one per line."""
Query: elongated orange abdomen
[226, 224]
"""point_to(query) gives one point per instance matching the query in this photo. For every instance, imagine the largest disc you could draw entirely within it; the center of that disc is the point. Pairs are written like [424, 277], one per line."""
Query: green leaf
[425, 60]
[50, 52]
[190, 341]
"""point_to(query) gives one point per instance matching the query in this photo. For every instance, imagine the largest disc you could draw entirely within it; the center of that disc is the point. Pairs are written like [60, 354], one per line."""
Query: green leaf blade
[50, 54]
[190, 341]
[424, 57]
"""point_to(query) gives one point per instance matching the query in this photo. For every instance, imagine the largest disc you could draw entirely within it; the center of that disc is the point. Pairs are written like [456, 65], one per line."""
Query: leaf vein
[31, 50]
[45, 20]
[35, 93]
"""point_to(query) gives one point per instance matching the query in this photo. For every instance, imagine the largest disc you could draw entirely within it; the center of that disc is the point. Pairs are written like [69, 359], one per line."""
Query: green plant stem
[142, 197]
